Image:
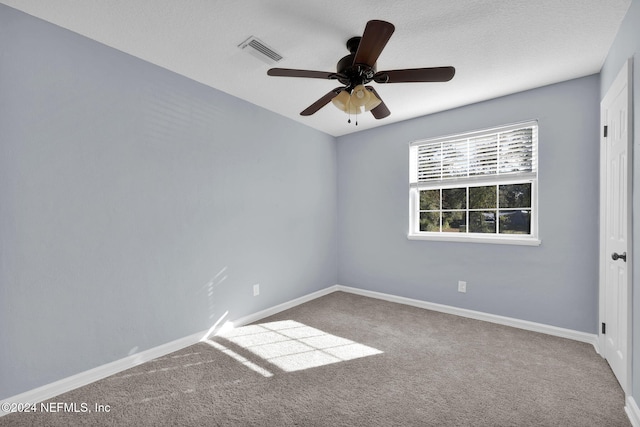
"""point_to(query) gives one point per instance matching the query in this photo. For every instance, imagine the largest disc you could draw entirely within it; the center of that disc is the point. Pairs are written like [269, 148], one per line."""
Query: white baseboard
[64, 385]
[83, 378]
[633, 412]
[478, 315]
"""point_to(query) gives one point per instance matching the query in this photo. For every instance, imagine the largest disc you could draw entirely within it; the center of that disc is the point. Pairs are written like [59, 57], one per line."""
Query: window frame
[497, 179]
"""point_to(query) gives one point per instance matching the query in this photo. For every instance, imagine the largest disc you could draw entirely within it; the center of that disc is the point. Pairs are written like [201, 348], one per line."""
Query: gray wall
[137, 206]
[555, 283]
[625, 46]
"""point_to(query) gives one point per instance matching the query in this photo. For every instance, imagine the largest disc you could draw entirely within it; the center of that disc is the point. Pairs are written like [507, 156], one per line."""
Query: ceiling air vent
[260, 50]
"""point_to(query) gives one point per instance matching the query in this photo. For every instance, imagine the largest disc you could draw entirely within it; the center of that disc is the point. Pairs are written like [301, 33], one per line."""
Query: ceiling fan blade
[375, 38]
[321, 102]
[381, 111]
[289, 72]
[415, 75]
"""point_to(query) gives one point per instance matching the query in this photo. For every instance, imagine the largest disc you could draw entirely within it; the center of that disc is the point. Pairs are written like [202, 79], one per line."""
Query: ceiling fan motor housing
[351, 74]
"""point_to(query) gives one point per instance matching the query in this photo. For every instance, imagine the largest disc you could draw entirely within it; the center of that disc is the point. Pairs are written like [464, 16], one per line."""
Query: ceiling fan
[358, 69]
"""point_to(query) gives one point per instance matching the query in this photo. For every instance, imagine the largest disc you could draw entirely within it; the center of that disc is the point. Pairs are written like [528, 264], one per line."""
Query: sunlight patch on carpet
[294, 346]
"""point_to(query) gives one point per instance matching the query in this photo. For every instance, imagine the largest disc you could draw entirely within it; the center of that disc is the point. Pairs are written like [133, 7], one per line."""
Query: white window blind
[485, 155]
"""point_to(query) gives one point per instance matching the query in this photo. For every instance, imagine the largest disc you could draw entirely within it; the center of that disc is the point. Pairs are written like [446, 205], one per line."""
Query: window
[478, 186]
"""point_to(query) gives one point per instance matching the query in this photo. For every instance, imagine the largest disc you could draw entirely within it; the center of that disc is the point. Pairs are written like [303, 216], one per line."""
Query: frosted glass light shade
[360, 96]
[342, 101]
[373, 101]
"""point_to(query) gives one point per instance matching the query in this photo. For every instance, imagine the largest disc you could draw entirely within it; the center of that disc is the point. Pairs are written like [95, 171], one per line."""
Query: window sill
[502, 240]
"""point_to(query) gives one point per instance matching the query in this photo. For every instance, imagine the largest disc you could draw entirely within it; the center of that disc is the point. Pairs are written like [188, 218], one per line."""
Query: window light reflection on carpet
[293, 346]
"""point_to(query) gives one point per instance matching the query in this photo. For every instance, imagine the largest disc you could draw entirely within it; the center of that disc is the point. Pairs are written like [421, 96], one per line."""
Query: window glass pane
[429, 200]
[515, 222]
[429, 221]
[453, 222]
[515, 196]
[482, 222]
[454, 198]
[482, 197]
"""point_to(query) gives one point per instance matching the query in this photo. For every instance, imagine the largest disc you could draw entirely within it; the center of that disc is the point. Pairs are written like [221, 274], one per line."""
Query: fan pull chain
[348, 110]
[349, 121]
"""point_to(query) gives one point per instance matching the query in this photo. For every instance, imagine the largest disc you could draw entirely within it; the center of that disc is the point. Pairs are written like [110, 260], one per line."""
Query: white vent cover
[257, 48]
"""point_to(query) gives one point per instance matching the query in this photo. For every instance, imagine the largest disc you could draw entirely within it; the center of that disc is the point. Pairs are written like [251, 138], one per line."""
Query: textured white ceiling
[498, 47]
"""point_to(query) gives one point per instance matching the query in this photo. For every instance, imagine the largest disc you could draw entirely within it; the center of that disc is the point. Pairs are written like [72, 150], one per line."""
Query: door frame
[624, 77]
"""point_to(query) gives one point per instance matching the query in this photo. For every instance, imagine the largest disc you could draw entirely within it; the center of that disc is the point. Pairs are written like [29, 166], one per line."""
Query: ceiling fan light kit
[358, 68]
[360, 98]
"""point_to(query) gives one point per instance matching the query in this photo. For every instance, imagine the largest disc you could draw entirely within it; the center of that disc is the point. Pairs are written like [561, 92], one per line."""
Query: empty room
[280, 213]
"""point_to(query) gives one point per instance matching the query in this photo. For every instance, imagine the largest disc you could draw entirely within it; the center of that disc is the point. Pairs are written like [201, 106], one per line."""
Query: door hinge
[606, 131]
[604, 328]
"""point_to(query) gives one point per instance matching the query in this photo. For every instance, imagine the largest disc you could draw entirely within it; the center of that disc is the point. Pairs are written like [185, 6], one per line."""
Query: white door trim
[623, 79]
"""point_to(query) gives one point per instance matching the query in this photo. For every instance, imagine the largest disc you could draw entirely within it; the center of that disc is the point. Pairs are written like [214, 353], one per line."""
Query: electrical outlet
[462, 286]
[256, 289]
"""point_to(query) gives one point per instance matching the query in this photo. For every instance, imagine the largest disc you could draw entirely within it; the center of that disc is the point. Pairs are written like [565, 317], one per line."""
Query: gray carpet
[376, 363]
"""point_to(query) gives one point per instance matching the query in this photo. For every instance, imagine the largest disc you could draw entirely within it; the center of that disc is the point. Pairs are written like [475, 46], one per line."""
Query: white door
[615, 243]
